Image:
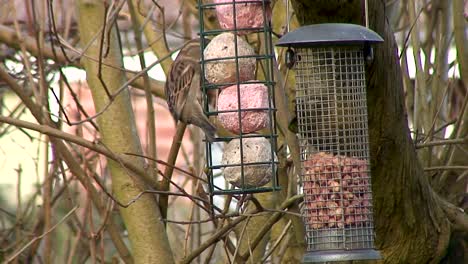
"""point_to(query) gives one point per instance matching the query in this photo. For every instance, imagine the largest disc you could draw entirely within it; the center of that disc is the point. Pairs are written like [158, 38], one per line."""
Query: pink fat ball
[248, 15]
[252, 96]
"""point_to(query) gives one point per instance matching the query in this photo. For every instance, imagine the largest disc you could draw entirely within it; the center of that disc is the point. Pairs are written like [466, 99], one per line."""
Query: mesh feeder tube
[331, 108]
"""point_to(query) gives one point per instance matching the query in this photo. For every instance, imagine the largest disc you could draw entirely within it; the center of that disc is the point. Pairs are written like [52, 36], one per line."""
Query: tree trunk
[411, 227]
[118, 132]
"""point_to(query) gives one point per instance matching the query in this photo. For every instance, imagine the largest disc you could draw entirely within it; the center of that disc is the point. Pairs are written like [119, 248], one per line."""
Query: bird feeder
[239, 79]
[329, 63]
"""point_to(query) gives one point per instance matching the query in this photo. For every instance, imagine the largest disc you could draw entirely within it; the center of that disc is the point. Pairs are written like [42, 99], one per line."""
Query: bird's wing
[183, 83]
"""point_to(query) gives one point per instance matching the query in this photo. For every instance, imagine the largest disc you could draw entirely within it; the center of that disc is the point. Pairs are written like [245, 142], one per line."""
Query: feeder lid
[329, 33]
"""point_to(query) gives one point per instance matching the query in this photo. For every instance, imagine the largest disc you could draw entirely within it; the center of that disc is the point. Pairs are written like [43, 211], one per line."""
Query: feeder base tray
[340, 255]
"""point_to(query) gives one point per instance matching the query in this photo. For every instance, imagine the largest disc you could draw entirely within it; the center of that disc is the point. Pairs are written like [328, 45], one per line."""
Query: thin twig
[121, 89]
[9, 37]
[47, 200]
[53, 132]
[223, 231]
[195, 177]
[19, 209]
[278, 241]
[437, 168]
[150, 119]
[16, 254]
[69, 159]
[171, 160]
[244, 228]
[103, 53]
[442, 142]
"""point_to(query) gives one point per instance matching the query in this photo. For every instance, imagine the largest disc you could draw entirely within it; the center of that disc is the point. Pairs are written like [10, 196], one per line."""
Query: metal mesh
[265, 166]
[333, 132]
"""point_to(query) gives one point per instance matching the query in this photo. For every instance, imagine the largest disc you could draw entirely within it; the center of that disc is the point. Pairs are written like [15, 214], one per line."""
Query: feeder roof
[329, 33]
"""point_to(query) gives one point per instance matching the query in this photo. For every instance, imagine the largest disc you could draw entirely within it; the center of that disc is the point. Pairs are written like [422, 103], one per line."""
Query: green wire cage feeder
[329, 63]
[239, 78]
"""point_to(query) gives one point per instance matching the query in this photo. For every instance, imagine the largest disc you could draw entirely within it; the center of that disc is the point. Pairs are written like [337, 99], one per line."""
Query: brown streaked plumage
[183, 93]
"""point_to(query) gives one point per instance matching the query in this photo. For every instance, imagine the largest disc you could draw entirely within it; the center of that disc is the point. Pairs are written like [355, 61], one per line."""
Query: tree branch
[222, 232]
[118, 132]
[456, 215]
[171, 160]
[9, 38]
[71, 162]
[53, 132]
[11, 258]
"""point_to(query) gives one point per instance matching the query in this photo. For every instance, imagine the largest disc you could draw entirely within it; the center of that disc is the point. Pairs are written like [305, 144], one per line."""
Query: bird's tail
[208, 128]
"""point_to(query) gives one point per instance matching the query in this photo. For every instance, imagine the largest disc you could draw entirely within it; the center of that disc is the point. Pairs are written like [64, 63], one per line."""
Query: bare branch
[16, 254]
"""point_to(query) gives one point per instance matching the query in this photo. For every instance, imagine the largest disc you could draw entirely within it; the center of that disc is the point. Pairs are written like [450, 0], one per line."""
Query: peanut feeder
[331, 109]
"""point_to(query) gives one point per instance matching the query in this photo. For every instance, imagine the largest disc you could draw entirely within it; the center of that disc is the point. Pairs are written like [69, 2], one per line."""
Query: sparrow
[182, 88]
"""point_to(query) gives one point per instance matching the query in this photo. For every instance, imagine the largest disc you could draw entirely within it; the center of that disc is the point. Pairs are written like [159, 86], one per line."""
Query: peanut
[349, 220]
[335, 186]
[337, 191]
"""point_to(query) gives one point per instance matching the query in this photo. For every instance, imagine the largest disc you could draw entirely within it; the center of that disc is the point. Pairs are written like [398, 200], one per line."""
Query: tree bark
[118, 132]
[411, 227]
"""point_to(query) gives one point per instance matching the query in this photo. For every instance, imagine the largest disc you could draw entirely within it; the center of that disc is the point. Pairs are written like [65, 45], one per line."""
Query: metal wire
[287, 16]
[333, 131]
[366, 10]
[264, 62]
